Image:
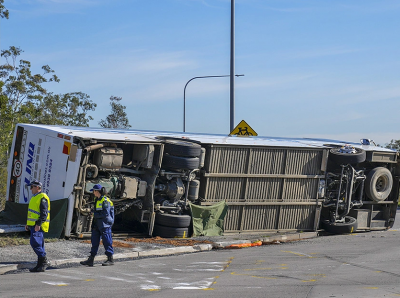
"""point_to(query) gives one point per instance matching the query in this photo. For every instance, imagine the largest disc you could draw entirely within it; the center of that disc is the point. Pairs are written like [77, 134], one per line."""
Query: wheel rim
[381, 184]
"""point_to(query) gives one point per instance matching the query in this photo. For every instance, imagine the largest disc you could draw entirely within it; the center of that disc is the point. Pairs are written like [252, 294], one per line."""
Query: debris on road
[169, 241]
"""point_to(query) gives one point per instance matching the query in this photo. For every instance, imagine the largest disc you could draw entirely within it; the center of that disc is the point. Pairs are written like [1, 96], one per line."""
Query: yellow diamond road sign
[243, 129]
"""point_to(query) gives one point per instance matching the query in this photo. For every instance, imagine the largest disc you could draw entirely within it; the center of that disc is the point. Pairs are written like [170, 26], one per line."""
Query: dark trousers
[105, 235]
[37, 242]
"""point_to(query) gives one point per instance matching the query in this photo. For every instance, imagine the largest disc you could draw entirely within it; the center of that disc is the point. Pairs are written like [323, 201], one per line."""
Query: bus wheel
[178, 162]
[348, 226]
[170, 232]
[182, 148]
[341, 158]
[378, 184]
[173, 220]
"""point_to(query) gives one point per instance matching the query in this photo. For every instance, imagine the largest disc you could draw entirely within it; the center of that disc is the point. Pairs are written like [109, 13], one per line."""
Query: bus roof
[147, 136]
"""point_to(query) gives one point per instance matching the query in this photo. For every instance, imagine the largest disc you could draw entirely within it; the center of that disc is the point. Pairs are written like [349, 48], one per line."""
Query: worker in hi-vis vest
[38, 222]
[103, 219]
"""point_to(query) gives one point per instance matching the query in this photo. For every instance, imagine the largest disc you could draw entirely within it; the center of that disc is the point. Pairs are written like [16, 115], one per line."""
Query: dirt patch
[155, 240]
[168, 241]
[115, 244]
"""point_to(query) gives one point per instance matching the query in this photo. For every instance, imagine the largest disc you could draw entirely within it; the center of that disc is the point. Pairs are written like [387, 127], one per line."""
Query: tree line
[25, 97]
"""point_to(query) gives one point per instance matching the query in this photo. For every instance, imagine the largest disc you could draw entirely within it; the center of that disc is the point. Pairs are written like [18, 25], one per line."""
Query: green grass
[17, 239]
[13, 240]
[2, 203]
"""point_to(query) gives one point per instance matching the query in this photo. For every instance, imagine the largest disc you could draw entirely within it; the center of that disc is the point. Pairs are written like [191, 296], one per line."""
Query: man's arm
[44, 210]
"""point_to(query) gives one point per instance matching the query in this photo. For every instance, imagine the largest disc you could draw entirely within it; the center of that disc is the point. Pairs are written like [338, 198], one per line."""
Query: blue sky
[319, 68]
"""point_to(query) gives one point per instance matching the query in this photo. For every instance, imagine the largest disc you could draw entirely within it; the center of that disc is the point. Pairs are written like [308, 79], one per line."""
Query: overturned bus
[269, 184]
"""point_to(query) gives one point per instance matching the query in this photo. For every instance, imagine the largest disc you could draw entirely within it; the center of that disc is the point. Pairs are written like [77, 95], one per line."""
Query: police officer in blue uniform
[103, 219]
[38, 222]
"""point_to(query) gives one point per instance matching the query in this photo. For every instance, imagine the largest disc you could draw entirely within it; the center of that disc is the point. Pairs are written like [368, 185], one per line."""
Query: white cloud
[272, 81]
[142, 75]
[319, 52]
[373, 7]
[351, 94]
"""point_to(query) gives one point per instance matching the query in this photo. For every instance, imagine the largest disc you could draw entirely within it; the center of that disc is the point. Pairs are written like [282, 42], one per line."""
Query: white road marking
[209, 263]
[150, 287]
[198, 270]
[198, 285]
[137, 275]
[150, 265]
[80, 272]
[53, 283]
[118, 279]
[154, 280]
[62, 276]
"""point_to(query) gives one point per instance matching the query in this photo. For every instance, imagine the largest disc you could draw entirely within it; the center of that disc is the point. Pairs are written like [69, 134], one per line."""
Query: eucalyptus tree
[118, 117]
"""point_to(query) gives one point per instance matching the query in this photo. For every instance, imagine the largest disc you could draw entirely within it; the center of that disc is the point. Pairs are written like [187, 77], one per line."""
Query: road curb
[7, 268]
[4, 268]
[120, 256]
[175, 250]
[265, 240]
[289, 237]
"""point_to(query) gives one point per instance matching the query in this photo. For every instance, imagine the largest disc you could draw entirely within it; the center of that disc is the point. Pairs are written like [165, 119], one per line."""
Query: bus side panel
[36, 156]
[53, 167]
[27, 152]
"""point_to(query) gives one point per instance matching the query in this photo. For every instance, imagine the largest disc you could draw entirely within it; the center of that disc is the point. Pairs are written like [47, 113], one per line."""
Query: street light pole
[184, 95]
[232, 85]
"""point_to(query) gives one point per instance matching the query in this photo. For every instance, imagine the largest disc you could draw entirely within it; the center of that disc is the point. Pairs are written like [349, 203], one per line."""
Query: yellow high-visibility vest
[34, 211]
[99, 203]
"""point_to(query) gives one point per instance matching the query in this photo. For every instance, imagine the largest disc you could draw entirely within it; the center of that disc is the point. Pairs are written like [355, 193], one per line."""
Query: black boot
[34, 269]
[89, 261]
[109, 262]
[44, 262]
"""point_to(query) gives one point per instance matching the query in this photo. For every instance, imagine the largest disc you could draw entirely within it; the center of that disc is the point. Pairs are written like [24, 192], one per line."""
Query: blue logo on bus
[28, 167]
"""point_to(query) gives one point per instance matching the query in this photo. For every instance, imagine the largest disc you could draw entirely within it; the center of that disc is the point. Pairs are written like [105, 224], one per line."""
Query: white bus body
[268, 183]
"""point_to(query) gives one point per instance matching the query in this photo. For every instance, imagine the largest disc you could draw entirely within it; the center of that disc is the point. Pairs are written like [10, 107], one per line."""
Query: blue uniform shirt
[103, 213]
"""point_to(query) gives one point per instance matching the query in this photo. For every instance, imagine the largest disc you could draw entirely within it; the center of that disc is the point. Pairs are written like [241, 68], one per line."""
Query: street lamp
[184, 94]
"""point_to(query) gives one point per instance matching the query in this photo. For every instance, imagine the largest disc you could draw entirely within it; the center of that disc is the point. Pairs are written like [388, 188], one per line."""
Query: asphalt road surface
[357, 265]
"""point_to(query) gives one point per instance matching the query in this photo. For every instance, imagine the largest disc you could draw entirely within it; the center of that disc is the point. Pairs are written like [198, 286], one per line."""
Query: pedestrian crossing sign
[243, 129]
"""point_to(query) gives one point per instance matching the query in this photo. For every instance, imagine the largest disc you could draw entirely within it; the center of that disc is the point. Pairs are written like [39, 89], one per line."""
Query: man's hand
[26, 228]
[37, 228]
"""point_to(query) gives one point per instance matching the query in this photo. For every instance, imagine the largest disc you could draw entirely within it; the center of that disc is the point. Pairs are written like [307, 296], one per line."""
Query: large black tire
[349, 226]
[170, 232]
[178, 162]
[182, 148]
[173, 220]
[378, 184]
[347, 158]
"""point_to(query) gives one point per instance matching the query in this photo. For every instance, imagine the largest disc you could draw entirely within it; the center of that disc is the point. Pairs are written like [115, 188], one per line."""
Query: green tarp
[15, 214]
[209, 220]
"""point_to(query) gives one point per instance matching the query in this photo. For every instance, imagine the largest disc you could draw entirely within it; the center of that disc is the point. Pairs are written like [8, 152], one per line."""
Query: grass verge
[19, 239]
